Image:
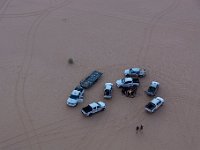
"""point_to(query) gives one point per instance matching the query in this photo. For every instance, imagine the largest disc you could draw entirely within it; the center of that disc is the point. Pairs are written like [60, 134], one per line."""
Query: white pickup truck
[127, 82]
[153, 105]
[93, 108]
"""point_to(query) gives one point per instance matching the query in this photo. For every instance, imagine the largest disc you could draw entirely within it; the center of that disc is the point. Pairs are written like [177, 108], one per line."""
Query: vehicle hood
[72, 101]
[126, 71]
[102, 104]
[119, 82]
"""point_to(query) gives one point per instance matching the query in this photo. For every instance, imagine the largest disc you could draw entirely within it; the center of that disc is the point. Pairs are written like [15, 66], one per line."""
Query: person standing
[137, 129]
[141, 127]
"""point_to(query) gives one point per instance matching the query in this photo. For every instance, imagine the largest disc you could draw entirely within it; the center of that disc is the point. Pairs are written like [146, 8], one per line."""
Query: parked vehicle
[153, 88]
[154, 104]
[108, 90]
[93, 108]
[75, 97]
[91, 79]
[127, 82]
[135, 72]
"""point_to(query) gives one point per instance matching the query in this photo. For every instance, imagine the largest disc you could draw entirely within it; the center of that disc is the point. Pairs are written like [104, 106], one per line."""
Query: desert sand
[39, 36]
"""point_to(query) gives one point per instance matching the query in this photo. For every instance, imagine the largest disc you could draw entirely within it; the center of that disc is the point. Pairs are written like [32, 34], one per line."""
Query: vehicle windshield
[136, 69]
[123, 80]
[135, 79]
[151, 89]
[151, 105]
[78, 89]
[106, 92]
[73, 96]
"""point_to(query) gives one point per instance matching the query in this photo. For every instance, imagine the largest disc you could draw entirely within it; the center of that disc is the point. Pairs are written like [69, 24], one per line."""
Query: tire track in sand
[31, 58]
[148, 34]
[31, 14]
[20, 102]
[26, 14]
[3, 3]
[3, 7]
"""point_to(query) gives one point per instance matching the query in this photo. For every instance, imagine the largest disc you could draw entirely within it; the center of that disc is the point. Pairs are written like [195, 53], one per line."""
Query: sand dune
[38, 37]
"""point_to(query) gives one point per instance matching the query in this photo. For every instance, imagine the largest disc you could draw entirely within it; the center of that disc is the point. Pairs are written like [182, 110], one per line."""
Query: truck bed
[136, 80]
[150, 106]
[87, 109]
[91, 79]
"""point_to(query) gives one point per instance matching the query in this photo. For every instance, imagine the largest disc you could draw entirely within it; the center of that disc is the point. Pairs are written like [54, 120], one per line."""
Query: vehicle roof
[108, 85]
[101, 103]
[75, 92]
[154, 83]
[93, 104]
[128, 79]
[157, 99]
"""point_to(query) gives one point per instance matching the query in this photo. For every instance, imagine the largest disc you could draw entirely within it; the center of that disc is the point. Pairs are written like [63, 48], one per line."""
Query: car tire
[103, 109]
[90, 115]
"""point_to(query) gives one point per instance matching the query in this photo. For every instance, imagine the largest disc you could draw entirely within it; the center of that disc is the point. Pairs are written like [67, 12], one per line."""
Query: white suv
[75, 97]
[138, 72]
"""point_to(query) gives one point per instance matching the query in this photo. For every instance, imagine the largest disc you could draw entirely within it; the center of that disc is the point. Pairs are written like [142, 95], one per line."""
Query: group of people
[139, 128]
[129, 91]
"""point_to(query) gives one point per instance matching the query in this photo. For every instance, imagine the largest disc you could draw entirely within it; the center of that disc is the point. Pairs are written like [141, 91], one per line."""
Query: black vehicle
[153, 88]
[91, 79]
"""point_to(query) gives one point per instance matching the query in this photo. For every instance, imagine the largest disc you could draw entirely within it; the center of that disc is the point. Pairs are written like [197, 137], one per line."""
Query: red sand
[37, 38]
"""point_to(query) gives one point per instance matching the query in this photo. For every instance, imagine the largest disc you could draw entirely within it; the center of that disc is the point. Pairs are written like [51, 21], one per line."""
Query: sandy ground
[37, 38]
